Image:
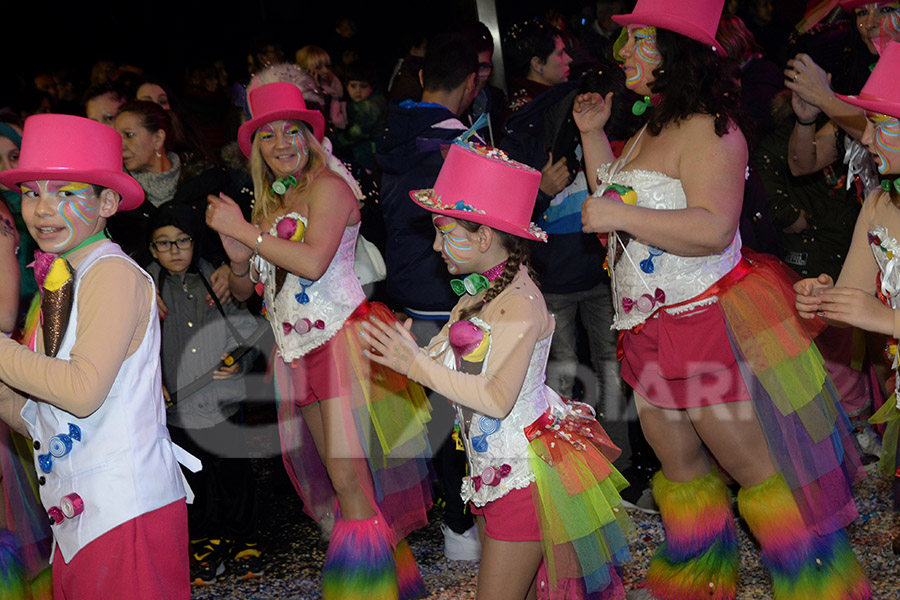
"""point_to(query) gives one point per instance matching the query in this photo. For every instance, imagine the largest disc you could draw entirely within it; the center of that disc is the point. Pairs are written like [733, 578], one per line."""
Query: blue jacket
[409, 157]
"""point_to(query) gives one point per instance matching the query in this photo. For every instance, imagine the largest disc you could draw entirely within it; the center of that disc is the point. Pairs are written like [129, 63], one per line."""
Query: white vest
[124, 465]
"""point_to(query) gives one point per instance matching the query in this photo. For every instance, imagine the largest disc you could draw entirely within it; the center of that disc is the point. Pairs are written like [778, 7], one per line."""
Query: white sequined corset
[497, 449]
[647, 278]
[305, 314]
[886, 250]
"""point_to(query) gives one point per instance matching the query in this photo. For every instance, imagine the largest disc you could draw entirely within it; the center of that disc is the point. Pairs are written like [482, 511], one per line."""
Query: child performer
[204, 395]
[867, 293]
[541, 480]
[92, 400]
[349, 433]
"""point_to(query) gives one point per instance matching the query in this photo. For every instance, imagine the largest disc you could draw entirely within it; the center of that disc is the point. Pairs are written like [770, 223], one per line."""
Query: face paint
[60, 214]
[283, 147]
[645, 57]
[886, 142]
[454, 246]
[890, 23]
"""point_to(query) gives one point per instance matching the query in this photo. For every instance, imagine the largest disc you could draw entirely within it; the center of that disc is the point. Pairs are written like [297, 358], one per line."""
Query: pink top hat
[849, 5]
[274, 102]
[68, 148]
[696, 19]
[483, 185]
[881, 94]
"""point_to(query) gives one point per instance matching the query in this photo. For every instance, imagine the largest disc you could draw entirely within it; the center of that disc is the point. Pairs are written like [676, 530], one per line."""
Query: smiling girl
[351, 436]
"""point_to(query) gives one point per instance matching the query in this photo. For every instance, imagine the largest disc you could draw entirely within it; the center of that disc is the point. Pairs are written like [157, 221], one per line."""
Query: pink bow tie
[645, 303]
[302, 326]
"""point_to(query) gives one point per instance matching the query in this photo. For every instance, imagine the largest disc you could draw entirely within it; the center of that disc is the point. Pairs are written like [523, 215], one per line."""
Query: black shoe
[246, 561]
[209, 562]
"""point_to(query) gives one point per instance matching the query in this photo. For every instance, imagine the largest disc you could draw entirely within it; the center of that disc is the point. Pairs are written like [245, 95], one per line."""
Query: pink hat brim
[476, 217]
[873, 104]
[849, 5]
[672, 23]
[313, 118]
[128, 188]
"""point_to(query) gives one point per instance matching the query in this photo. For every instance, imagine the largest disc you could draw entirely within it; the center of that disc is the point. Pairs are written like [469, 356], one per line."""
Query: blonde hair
[267, 201]
[311, 57]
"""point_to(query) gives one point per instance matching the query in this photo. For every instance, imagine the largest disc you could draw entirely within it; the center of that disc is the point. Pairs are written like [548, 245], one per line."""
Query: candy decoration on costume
[56, 515]
[802, 563]
[647, 263]
[472, 284]
[699, 557]
[626, 195]
[303, 326]
[470, 342]
[71, 505]
[644, 303]
[280, 186]
[57, 295]
[291, 229]
[491, 476]
[887, 184]
[360, 562]
[59, 446]
[488, 426]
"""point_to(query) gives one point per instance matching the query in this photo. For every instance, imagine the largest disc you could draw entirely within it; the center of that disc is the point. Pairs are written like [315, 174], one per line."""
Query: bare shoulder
[330, 186]
[699, 137]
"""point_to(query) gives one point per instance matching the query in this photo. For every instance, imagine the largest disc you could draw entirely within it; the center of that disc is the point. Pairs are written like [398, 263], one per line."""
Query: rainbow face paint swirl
[452, 246]
[646, 54]
[886, 141]
[890, 23]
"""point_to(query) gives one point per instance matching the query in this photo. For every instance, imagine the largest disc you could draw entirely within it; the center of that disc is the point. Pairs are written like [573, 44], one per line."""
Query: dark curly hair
[692, 79]
[519, 254]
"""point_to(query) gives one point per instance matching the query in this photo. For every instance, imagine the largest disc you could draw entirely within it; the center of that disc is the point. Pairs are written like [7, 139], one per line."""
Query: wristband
[804, 123]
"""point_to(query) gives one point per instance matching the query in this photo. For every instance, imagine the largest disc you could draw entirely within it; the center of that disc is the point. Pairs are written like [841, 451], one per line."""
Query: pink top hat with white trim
[696, 19]
[275, 102]
[483, 185]
[881, 94]
[69, 148]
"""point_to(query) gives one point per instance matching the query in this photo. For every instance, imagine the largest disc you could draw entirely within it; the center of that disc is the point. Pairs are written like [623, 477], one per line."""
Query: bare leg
[672, 436]
[733, 434]
[326, 424]
[508, 569]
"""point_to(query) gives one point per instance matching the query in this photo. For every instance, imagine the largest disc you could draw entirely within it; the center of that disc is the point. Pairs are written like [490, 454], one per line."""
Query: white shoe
[645, 503]
[461, 546]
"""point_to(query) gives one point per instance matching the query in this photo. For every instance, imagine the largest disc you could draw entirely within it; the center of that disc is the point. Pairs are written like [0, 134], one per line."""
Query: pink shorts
[512, 518]
[146, 558]
[683, 360]
[318, 375]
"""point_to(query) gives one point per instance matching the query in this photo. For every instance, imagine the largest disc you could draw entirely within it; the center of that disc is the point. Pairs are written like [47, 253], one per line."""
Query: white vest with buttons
[124, 465]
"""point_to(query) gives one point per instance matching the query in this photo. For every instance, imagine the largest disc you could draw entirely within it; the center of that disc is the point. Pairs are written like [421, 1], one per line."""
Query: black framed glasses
[182, 243]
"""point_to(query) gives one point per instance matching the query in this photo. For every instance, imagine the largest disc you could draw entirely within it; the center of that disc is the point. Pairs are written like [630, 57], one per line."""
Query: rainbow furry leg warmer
[12, 577]
[360, 562]
[802, 563]
[409, 580]
[699, 558]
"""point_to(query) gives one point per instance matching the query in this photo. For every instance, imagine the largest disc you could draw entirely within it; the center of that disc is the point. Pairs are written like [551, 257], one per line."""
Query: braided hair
[519, 254]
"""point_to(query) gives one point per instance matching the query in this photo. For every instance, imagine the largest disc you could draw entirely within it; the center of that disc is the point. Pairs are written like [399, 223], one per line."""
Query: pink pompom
[465, 337]
[286, 228]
